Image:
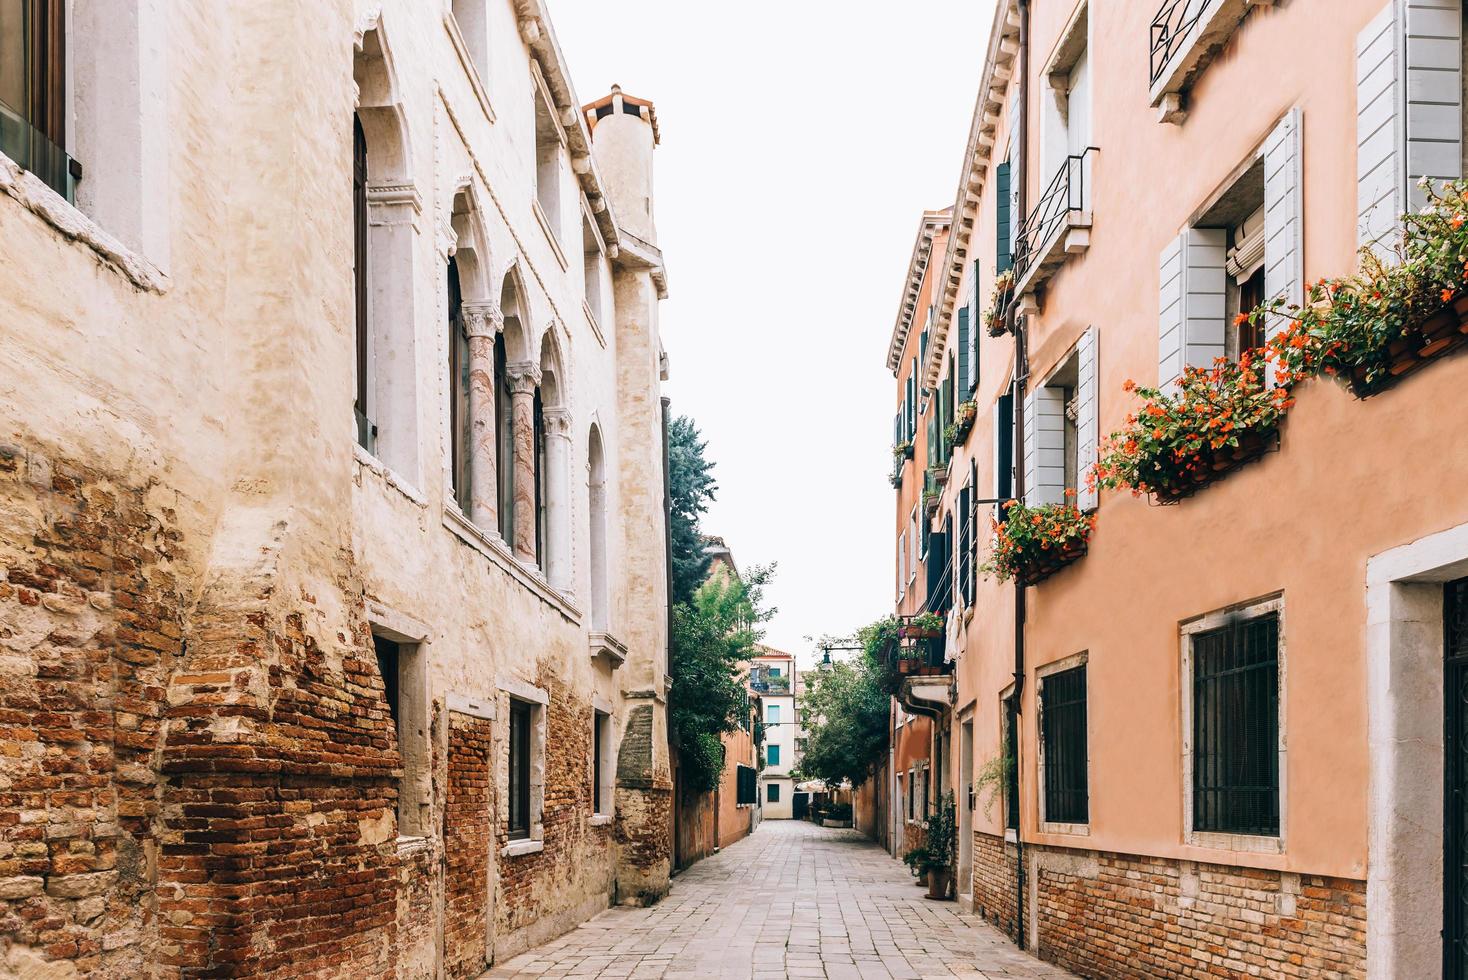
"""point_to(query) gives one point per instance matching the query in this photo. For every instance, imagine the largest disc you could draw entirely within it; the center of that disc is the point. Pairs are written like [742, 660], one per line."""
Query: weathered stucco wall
[200, 771]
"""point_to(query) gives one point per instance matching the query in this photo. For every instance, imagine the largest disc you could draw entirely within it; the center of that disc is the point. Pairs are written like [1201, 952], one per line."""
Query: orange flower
[1128, 385]
[1241, 319]
[1457, 221]
[1447, 295]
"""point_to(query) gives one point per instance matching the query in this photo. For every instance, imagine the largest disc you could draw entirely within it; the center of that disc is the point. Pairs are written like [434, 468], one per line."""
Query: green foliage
[942, 836]
[691, 486]
[712, 635]
[993, 778]
[917, 861]
[846, 710]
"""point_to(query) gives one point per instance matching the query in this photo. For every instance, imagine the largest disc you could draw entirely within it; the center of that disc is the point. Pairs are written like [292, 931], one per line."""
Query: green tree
[847, 708]
[713, 634]
[691, 486]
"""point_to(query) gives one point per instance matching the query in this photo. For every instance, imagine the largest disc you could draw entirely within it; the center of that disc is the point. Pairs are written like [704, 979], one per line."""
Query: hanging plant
[1033, 543]
[903, 450]
[994, 320]
[963, 422]
[1390, 318]
[1215, 421]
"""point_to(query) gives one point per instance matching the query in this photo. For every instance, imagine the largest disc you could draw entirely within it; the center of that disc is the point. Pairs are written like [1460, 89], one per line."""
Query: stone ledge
[35, 196]
[520, 848]
[599, 819]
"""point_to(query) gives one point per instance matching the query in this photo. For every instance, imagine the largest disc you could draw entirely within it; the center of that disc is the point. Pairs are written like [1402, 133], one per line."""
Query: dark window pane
[1236, 728]
[1063, 728]
[519, 769]
[1011, 764]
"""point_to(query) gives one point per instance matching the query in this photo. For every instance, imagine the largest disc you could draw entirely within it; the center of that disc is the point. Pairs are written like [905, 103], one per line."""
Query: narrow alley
[790, 900]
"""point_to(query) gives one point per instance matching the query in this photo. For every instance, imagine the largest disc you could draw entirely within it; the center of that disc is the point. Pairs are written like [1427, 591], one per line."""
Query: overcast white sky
[801, 140]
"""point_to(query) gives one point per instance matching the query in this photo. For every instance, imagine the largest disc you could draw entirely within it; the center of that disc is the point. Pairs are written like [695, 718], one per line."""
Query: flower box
[1215, 464]
[919, 633]
[1047, 563]
[1441, 334]
[1033, 543]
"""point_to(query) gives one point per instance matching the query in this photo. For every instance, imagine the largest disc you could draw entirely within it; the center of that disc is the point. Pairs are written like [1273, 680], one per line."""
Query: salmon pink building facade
[1204, 698]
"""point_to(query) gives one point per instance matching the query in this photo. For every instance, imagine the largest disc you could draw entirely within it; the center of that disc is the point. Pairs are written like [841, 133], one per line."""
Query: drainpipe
[1021, 377]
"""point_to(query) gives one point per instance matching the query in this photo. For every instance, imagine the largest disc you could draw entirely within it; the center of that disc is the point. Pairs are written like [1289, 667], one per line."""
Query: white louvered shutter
[1032, 451]
[1434, 96]
[1088, 424]
[1379, 181]
[1045, 447]
[1284, 267]
[1193, 280]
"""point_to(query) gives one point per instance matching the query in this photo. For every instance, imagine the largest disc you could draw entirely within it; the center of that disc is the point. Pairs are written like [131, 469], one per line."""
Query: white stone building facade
[294, 689]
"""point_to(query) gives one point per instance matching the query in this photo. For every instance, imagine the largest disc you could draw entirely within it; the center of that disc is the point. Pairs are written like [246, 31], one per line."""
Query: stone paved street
[790, 900]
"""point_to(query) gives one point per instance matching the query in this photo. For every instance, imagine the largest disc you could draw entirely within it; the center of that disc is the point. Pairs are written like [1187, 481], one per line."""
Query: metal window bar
[1455, 772]
[1063, 728]
[1236, 728]
[1171, 30]
[1011, 767]
[1066, 193]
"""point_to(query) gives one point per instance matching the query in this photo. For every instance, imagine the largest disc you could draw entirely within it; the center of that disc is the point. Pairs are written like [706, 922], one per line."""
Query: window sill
[35, 196]
[462, 50]
[1067, 829]
[493, 547]
[1246, 843]
[595, 326]
[411, 845]
[520, 848]
[389, 475]
[599, 819]
[1011, 836]
[550, 234]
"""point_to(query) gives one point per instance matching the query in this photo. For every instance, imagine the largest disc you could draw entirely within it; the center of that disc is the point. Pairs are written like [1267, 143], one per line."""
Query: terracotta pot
[1437, 346]
[906, 666]
[1439, 324]
[938, 884]
[1460, 305]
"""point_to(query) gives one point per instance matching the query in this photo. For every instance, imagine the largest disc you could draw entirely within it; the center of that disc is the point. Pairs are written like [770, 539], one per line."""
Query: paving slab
[790, 900]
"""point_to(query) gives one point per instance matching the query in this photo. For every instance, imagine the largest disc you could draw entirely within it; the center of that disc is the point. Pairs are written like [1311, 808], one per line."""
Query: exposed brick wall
[644, 814]
[534, 889]
[994, 882]
[468, 837]
[90, 628]
[1111, 915]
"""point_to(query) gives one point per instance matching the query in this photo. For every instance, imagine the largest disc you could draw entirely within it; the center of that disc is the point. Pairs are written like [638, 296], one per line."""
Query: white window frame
[1248, 843]
[538, 699]
[1059, 667]
[601, 708]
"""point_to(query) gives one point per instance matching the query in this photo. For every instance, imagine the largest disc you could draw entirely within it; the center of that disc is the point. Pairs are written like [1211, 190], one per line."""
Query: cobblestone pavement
[790, 900]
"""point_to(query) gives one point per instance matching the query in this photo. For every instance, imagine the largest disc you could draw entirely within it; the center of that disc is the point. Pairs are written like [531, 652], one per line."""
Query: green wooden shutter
[963, 353]
[1004, 259]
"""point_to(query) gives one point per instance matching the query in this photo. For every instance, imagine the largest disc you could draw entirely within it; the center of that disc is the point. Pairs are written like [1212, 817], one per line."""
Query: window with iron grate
[1236, 727]
[1063, 735]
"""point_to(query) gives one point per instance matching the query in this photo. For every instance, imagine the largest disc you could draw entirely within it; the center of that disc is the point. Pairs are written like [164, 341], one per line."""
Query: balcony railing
[1067, 196]
[26, 145]
[1171, 31]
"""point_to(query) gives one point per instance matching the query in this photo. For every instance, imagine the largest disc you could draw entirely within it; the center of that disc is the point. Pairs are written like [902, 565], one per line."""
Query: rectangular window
[459, 418]
[1063, 744]
[772, 755]
[520, 718]
[772, 713]
[774, 671]
[1236, 727]
[33, 91]
[911, 782]
[745, 786]
[1004, 446]
[366, 431]
[1011, 764]
[388, 658]
[599, 732]
[772, 792]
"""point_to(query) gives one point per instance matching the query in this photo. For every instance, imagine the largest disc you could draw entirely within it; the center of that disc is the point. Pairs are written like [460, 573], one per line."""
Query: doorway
[799, 803]
[965, 804]
[1455, 785]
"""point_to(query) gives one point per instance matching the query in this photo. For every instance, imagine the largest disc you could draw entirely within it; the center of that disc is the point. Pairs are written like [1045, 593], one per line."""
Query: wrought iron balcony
[1183, 37]
[1171, 28]
[1058, 225]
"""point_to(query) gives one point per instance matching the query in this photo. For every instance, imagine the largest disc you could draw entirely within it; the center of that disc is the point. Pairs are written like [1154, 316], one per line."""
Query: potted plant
[1033, 543]
[930, 500]
[963, 422]
[934, 859]
[925, 626]
[903, 450]
[994, 320]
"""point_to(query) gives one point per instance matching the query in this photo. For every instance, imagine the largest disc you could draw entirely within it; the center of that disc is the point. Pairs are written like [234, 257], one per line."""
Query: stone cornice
[912, 288]
[999, 69]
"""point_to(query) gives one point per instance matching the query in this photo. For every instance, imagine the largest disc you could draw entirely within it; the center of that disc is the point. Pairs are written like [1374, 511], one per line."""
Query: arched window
[386, 205]
[459, 407]
[596, 485]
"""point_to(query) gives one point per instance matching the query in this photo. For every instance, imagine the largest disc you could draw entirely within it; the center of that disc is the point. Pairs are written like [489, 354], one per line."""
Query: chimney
[624, 131]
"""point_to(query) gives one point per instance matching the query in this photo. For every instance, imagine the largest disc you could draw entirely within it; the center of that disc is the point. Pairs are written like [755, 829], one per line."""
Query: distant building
[773, 678]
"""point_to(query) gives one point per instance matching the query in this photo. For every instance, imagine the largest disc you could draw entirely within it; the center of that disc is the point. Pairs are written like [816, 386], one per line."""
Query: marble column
[524, 377]
[482, 322]
[557, 484]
